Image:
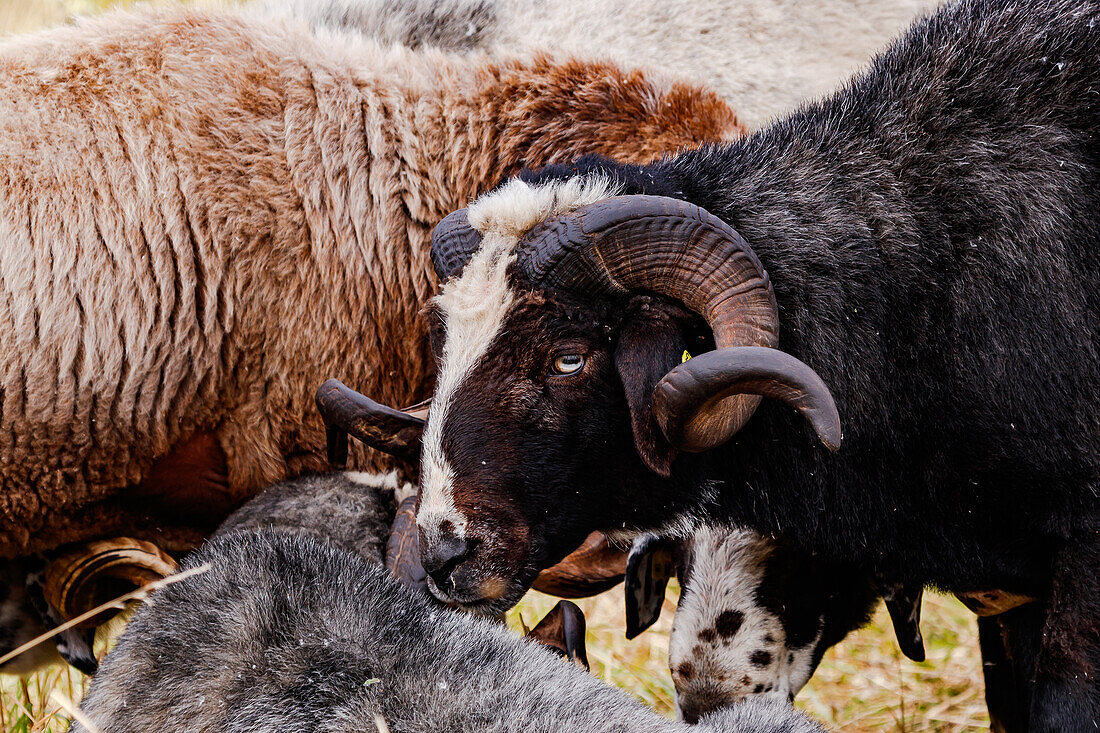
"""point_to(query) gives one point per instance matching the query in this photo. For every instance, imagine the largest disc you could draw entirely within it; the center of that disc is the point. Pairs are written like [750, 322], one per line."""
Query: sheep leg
[1007, 703]
[1066, 694]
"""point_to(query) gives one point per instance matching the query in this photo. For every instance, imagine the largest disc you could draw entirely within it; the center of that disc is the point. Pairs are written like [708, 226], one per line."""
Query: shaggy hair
[766, 56]
[350, 509]
[931, 235]
[287, 633]
[203, 214]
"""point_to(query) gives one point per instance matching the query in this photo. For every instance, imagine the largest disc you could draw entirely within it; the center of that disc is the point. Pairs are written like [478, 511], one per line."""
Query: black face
[548, 438]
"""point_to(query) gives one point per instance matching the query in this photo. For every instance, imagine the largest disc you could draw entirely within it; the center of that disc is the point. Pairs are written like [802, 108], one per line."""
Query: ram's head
[561, 398]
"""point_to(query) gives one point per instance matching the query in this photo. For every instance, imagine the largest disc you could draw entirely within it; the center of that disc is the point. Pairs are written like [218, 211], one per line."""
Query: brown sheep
[203, 215]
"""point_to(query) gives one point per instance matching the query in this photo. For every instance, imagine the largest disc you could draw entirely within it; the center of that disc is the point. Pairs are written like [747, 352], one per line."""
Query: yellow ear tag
[685, 357]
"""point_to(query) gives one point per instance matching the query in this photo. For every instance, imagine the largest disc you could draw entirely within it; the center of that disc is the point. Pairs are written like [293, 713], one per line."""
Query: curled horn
[454, 242]
[743, 370]
[346, 412]
[592, 568]
[668, 246]
[92, 574]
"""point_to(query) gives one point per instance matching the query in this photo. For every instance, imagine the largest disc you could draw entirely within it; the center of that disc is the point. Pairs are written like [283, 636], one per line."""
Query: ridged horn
[743, 370]
[95, 573]
[677, 249]
[454, 242]
[403, 547]
[346, 412]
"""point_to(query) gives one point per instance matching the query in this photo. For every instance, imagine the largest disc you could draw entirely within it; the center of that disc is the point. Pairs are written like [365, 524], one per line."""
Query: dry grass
[20, 16]
[863, 684]
[25, 703]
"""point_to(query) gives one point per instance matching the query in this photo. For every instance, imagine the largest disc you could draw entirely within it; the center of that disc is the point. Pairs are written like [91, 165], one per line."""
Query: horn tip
[832, 436]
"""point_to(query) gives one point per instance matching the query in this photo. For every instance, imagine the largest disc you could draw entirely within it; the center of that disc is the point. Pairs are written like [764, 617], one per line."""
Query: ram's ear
[648, 348]
[562, 630]
[903, 603]
[649, 566]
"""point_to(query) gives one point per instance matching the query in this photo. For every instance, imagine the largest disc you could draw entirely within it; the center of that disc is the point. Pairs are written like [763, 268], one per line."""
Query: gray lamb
[286, 631]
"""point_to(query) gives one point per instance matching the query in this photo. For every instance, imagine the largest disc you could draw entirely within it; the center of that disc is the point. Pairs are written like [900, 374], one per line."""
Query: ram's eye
[568, 364]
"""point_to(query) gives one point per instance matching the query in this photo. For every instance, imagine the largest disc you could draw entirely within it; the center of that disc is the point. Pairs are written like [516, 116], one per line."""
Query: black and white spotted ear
[649, 566]
[903, 604]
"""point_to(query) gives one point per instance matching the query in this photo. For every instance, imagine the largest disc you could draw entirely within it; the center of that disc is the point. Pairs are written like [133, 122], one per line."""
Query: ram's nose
[75, 647]
[441, 556]
[693, 707]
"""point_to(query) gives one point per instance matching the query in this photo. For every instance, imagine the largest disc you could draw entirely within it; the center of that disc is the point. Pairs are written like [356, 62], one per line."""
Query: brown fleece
[204, 216]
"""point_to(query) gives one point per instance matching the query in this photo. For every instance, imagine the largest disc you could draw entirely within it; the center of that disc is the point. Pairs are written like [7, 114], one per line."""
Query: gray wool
[759, 715]
[353, 511]
[285, 632]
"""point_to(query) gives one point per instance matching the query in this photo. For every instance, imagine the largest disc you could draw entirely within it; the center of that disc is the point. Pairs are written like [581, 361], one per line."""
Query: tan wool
[204, 215]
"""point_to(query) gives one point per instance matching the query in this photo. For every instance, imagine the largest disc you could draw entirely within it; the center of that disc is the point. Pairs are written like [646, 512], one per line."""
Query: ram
[926, 238]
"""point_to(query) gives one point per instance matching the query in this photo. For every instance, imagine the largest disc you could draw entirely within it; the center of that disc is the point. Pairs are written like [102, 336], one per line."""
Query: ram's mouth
[503, 596]
[484, 608]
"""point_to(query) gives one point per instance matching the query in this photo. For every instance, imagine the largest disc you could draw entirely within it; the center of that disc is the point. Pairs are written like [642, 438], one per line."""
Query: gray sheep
[351, 509]
[286, 632]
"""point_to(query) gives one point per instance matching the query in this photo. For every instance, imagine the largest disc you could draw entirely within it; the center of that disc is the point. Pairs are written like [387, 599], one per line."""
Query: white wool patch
[387, 481]
[728, 567]
[514, 208]
[474, 306]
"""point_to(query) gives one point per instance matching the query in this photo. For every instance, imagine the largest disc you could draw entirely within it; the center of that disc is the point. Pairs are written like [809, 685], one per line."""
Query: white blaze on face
[474, 306]
[727, 568]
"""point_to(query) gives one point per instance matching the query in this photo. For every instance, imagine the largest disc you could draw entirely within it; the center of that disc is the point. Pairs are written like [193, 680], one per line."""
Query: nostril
[696, 707]
[444, 557]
